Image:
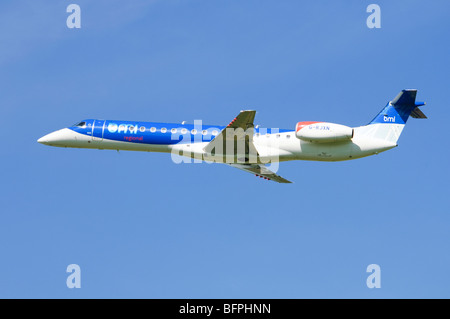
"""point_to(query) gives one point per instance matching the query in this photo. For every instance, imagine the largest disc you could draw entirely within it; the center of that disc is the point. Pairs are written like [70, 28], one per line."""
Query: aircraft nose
[49, 138]
[58, 138]
[41, 140]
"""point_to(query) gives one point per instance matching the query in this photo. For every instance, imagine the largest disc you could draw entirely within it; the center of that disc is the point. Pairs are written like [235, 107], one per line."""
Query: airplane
[243, 145]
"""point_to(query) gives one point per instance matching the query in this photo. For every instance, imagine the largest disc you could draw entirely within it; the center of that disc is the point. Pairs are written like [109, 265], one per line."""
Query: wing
[235, 140]
[261, 171]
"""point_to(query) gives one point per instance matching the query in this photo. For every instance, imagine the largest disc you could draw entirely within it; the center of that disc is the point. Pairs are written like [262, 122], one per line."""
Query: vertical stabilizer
[389, 123]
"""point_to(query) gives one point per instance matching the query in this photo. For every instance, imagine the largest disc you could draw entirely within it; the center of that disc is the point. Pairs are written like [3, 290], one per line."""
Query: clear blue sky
[141, 226]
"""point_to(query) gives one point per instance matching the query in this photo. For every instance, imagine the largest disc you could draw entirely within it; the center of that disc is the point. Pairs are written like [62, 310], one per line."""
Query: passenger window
[174, 130]
[194, 131]
[183, 131]
[142, 129]
[153, 129]
[163, 130]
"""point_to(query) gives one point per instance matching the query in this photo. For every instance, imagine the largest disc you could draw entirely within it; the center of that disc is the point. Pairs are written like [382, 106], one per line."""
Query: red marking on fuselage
[133, 138]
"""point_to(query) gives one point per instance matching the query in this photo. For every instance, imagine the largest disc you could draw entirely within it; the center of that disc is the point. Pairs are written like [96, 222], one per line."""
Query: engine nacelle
[322, 132]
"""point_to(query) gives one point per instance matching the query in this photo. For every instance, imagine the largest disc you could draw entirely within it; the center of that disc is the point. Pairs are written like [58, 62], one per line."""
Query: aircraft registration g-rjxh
[242, 145]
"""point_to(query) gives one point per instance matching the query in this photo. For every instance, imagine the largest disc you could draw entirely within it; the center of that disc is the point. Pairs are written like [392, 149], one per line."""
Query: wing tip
[278, 179]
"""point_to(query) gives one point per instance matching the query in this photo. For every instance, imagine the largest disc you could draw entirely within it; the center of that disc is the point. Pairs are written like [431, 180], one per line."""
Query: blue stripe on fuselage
[153, 132]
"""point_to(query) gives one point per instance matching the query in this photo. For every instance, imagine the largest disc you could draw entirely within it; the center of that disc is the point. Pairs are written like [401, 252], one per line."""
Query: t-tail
[389, 123]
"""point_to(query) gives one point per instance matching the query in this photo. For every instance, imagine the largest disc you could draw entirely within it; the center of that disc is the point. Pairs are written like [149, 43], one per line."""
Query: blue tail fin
[400, 108]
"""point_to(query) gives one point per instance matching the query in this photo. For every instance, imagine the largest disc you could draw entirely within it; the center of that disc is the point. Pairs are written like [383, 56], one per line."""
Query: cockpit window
[81, 124]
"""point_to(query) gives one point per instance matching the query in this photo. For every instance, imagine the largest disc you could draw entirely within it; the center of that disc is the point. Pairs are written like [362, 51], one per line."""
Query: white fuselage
[271, 147]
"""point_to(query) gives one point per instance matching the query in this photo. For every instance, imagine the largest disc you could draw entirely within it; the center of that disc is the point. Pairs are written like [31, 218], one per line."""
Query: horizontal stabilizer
[418, 114]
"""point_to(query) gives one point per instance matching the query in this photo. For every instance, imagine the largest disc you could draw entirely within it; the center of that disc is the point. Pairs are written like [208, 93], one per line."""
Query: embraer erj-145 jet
[242, 145]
